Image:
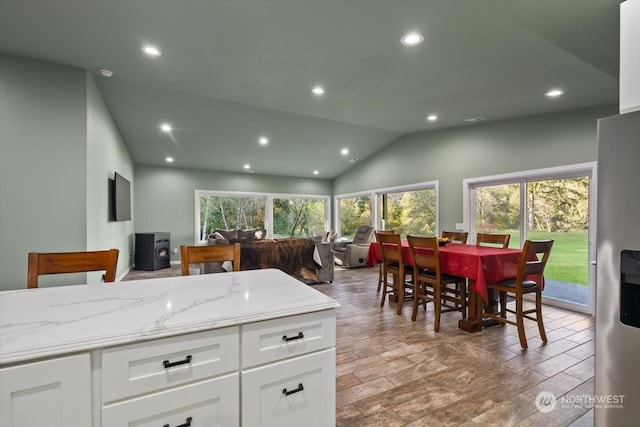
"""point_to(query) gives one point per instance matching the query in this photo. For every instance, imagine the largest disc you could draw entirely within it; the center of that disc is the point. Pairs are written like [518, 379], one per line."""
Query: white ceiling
[233, 70]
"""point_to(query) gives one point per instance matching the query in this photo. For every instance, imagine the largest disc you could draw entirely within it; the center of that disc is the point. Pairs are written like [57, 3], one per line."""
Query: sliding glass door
[548, 204]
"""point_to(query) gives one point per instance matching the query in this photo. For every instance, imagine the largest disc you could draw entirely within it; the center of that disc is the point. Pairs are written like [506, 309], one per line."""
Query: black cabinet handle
[297, 337]
[187, 424]
[287, 393]
[168, 364]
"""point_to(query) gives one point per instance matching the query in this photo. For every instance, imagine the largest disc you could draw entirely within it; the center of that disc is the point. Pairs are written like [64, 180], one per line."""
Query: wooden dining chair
[383, 275]
[394, 264]
[529, 279]
[71, 262]
[447, 292]
[202, 254]
[456, 236]
[497, 240]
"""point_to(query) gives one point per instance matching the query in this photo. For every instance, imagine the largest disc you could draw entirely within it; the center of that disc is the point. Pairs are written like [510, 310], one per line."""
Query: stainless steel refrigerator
[617, 359]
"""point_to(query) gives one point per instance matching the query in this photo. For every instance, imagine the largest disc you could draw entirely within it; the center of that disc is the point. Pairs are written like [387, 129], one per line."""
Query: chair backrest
[535, 254]
[425, 253]
[200, 254]
[502, 240]
[386, 231]
[390, 247]
[71, 262]
[364, 234]
[456, 236]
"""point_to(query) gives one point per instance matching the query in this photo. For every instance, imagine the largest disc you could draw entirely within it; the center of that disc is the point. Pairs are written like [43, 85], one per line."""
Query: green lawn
[568, 261]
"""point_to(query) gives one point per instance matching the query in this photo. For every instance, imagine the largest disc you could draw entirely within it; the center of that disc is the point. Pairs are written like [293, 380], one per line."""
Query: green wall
[57, 148]
[451, 155]
[106, 154]
[165, 196]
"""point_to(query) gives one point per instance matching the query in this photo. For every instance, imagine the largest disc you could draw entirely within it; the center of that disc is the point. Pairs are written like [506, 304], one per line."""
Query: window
[298, 217]
[409, 212]
[281, 215]
[410, 209]
[229, 212]
[354, 212]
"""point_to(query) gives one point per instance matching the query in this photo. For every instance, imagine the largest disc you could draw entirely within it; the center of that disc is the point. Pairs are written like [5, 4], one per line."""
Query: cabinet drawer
[295, 392]
[140, 368]
[213, 402]
[272, 340]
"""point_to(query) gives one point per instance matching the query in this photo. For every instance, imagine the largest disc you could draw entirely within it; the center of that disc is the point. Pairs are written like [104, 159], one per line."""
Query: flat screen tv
[121, 198]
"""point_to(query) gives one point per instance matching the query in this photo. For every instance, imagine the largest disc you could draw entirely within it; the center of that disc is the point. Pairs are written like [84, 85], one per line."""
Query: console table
[243, 348]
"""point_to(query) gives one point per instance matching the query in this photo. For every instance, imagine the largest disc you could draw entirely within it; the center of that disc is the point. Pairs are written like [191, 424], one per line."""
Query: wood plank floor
[395, 372]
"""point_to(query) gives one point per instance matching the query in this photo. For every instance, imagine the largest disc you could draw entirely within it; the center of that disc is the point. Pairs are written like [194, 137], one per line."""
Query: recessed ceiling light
[318, 90]
[432, 117]
[165, 127]
[263, 140]
[412, 39]
[151, 50]
[554, 93]
[106, 73]
[169, 160]
[475, 119]
[316, 172]
[247, 166]
[344, 151]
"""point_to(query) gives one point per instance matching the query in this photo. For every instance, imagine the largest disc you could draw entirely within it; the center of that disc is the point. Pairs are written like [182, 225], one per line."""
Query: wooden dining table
[479, 264]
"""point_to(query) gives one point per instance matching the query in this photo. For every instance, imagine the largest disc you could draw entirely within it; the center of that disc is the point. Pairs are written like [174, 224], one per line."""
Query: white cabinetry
[288, 371]
[52, 393]
[251, 348]
[147, 373]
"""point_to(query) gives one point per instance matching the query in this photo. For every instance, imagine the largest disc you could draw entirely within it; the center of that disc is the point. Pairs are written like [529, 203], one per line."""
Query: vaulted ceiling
[232, 71]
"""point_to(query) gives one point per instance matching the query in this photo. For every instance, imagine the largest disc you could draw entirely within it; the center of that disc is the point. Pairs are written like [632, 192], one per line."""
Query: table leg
[473, 321]
[491, 306]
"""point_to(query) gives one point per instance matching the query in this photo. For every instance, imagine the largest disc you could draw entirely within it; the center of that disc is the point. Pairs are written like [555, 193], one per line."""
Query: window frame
[375, 206]
[268, 214]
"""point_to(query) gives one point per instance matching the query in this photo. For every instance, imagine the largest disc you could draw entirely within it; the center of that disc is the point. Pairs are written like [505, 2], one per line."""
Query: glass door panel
[498, 211]
[558, 209]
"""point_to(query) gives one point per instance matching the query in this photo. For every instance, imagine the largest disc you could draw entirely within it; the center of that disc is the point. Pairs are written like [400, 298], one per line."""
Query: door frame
[558, 172]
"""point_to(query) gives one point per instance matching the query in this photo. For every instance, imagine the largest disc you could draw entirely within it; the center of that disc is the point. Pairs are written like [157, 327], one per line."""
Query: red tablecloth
[481, 264]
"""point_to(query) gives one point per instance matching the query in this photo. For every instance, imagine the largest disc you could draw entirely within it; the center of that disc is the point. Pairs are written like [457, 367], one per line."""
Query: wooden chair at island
[430, 284]
[456, 236]
[529, 279]
[393, 262]
[496, 240]
[204, 254]
[383, 275]
[40, 263]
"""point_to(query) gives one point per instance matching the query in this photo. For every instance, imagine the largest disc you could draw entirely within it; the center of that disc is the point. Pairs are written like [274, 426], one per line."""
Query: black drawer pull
[187, 424]
[287, 393]
[168, 364]
[297, 337]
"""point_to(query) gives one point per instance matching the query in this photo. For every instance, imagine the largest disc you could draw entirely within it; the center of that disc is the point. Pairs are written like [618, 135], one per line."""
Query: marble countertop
[53, 321]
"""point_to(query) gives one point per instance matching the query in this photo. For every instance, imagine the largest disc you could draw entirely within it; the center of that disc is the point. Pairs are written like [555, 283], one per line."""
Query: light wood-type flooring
[395, 372]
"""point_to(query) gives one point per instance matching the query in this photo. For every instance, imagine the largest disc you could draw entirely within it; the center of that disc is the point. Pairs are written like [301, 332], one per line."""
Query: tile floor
[394, 372]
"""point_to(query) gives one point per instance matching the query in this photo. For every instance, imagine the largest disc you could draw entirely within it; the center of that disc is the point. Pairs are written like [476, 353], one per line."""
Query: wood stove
[153, 251]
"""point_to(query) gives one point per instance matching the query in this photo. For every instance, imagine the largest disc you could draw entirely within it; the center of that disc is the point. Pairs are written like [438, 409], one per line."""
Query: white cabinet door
[295, 392]
[52, 393]
[209, 403]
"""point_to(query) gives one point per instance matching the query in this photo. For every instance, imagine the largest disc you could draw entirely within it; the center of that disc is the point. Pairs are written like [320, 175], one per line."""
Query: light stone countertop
[53, 321]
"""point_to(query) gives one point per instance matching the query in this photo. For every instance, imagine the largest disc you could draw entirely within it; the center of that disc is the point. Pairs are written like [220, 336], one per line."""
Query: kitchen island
[244, 348]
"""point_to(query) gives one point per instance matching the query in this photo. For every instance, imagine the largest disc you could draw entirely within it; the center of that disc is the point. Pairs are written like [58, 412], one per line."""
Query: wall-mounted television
[121, 198]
